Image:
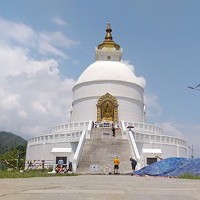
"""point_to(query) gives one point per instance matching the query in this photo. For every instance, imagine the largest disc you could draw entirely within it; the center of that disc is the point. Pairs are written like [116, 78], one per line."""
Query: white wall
[128, 95]
[167, 150]
[43, 151]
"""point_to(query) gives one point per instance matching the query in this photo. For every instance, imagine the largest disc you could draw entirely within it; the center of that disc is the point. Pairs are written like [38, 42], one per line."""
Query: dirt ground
[106, 187]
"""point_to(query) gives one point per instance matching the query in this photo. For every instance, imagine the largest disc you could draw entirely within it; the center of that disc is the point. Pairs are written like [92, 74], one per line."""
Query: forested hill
[9, 140]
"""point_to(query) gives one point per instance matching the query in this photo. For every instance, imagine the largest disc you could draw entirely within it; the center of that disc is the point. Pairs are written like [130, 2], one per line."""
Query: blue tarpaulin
[172, 167]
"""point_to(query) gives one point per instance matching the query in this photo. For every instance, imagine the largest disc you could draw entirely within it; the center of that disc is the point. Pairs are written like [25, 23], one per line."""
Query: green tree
[15, 158]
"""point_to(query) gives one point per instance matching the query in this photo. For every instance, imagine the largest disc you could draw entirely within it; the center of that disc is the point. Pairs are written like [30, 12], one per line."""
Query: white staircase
[99, 152]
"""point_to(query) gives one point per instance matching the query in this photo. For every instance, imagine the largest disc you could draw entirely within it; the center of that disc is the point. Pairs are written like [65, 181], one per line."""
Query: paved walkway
[106, 187]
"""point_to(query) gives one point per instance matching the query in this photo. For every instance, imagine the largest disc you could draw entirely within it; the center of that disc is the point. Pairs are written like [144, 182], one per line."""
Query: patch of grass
[190, 176]
[30, 173]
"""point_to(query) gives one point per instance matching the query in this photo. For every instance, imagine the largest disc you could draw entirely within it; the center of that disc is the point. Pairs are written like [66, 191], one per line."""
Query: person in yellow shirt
[116, 165]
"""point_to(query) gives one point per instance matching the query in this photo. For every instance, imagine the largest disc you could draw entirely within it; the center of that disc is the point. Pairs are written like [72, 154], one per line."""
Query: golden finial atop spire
[108, 33]
[108, 42]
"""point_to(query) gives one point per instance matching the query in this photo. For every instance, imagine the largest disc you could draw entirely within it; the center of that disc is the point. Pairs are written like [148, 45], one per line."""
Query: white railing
[149, 133]
[105, 124]
[89, 129]
[55, 138]
[123, 128]
[71, 132]
[66, 132]
[142, 127]
[133, 145]
[161, 139]
[66, 127]
[79, 150]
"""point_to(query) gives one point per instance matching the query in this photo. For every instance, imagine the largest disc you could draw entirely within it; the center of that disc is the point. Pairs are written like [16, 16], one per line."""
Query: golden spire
[108, 42]
[108, 33]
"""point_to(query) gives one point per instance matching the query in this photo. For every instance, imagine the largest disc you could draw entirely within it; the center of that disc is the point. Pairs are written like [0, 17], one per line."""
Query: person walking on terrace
[113, 130]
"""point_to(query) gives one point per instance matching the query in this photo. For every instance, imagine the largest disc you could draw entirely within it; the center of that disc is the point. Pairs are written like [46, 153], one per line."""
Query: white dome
[108, 70]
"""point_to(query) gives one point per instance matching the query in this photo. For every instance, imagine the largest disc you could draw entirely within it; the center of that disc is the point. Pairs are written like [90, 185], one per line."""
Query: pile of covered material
[172, 167]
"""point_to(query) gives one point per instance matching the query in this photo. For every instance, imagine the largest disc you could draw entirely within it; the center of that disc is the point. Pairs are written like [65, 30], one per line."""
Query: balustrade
[71, 132]
[161, 139]
[142, 127]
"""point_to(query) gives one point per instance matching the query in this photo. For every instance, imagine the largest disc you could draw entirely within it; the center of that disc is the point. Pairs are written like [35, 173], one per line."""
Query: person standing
[133, 165]
[70, 166]
[116, 165]
[113, 130]
[29, 164]
[42, 164]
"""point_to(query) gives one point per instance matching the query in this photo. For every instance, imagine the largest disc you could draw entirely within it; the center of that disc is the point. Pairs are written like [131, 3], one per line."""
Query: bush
[189, 176]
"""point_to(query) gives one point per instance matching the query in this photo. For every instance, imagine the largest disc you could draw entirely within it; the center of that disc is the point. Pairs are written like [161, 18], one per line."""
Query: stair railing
[123, 129]
[78, 152]
[89, 129]
[134, 148]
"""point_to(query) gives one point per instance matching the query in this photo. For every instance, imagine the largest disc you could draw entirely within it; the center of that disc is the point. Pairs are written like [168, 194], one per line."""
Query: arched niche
[107, 108]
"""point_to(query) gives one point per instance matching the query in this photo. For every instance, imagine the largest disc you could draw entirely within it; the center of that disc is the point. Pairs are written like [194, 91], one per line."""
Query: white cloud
[45, 48]
[33, 96]
[170, 129]
[50, 41]
[19, 34]
[153, 108]
[11, 101]
[16, 32]
[58, 21]
[190, 133]
[141, 80]
[39, 106]
[22, 114]
[57, 39]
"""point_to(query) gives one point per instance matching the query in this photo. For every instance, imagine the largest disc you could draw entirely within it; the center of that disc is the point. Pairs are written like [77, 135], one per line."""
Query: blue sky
[46, 44]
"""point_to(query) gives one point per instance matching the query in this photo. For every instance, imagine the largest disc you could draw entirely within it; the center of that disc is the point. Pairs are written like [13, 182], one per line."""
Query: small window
[108, 57]
[151, 160]
[61, 160]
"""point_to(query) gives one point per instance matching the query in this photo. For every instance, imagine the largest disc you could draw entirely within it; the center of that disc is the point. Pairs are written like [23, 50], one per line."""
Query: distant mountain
[9, 140]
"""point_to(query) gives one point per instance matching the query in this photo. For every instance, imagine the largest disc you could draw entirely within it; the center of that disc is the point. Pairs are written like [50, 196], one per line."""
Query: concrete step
[105, 133]
[99, 152]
